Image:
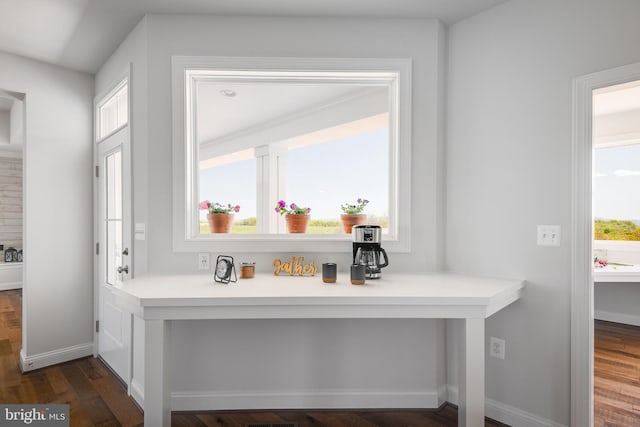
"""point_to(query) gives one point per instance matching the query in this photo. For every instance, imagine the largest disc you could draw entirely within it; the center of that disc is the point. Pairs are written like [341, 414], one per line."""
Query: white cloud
[600, 174]
[625, 173]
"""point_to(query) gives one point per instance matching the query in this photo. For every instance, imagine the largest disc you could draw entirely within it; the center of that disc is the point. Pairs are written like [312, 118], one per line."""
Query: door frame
[127, 207]
[582, 237]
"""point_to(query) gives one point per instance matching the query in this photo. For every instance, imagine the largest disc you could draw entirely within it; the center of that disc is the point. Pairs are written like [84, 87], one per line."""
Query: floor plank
[616, 391]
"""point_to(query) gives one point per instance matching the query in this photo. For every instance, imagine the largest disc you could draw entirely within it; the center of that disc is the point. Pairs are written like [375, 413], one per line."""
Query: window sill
[280, 243]
[619, 274]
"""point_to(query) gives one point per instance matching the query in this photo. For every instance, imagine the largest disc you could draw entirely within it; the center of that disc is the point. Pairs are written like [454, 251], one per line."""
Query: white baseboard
[137, 392]
[627, 319]
[508, 414]
[7, 286]
[197, 401]
[443, 394]
[202, 401]
[30, 363]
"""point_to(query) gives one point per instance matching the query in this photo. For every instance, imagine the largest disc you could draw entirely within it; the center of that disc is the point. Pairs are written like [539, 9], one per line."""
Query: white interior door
[114, 250]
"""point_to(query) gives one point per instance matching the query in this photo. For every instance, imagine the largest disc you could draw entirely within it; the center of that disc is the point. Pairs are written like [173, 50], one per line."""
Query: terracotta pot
[297, 223]
[349, 220]
[220, 222]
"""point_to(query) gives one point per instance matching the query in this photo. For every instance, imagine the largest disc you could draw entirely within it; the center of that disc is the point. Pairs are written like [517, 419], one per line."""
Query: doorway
[616, 251]
[582, 261]
[12, 135]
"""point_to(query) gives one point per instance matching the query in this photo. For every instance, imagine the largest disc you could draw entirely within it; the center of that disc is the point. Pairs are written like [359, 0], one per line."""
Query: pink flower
[292, 206]
[282, 203]
[237, 208]
[205, 205]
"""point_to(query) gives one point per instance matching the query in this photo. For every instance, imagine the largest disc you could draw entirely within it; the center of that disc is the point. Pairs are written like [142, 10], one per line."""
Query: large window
[249, 132]
[616, 178]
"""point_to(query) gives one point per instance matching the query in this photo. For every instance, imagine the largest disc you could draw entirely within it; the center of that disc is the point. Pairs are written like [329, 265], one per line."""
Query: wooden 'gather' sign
[295, 267]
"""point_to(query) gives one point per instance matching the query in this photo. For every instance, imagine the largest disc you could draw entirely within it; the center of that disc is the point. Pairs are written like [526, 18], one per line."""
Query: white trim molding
[582, 310]
[7, 286]
[42, 360]
[189, 71]
[137, 392]
[507, 414]
[303, 399]
[627, 319]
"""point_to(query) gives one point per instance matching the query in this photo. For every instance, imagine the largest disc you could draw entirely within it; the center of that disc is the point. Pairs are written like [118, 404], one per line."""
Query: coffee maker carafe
[367, 249]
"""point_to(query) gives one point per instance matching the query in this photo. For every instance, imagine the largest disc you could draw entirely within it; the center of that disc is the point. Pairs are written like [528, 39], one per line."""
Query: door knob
[123, 268]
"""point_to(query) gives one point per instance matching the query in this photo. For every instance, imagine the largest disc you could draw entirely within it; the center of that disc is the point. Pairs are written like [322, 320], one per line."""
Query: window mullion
[271, 186]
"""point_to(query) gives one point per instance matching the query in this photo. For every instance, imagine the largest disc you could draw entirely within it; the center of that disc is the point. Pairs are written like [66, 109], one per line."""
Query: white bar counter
[161, 299]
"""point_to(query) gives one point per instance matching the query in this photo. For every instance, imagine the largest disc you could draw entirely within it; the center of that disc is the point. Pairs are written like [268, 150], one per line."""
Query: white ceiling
[81, 34]
[616, 115]
[259, 103]
[617, 99]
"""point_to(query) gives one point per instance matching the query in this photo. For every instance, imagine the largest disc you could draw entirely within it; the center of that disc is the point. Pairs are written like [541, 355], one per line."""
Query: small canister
[247, 270]
[358, 274]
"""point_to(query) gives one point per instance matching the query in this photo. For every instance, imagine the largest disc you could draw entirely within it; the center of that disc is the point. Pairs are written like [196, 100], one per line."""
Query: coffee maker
[367, 249]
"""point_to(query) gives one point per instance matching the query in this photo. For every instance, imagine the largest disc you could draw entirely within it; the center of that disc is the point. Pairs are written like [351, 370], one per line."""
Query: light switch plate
[548, 235]
[140, 231]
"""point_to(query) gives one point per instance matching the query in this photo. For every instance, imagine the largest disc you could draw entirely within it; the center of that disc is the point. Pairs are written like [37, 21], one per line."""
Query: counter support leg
[157, 378]
[471, 387]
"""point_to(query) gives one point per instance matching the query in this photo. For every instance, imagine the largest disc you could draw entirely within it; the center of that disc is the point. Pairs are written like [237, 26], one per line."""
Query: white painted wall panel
[57, 293]
[5, 126]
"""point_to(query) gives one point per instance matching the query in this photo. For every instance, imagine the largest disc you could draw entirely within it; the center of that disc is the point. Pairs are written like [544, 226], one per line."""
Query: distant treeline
[613, 229]
[372, 219]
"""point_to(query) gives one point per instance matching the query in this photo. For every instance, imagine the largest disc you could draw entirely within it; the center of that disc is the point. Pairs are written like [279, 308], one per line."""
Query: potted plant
[297, 217]
[219, 217]
[353, 214]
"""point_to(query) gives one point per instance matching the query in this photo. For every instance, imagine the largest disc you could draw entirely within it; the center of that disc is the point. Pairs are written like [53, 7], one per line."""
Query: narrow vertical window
[113, 111]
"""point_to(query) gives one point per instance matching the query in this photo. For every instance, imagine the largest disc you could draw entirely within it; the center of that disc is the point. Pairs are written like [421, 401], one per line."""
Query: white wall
[225, 36]
[617, 302]
[288, 345]
[509, 168]
[5, 126]
[16, 127]
[57, 293]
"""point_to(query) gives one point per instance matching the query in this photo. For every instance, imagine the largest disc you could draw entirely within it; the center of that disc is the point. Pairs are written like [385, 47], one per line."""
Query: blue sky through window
[616, 183]
[321, 176]
[324, 176]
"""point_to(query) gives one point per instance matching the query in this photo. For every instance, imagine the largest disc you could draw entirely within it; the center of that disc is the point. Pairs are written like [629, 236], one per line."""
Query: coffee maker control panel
[368, 236]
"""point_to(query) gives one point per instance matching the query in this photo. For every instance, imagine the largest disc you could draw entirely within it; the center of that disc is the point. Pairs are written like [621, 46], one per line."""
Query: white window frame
[186, 237]
[106, 98]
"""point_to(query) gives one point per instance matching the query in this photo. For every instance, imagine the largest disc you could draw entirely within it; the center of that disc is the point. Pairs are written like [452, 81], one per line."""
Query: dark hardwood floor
[616, 374]
[97, 398]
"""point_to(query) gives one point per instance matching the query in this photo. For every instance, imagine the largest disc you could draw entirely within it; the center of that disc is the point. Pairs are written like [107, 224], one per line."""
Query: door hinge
[97, 326]
[98, 248]
[97, 171]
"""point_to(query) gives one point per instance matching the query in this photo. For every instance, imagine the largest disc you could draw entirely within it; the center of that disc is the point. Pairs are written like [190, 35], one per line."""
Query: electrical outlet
[204, 261]
[497, 347]
[548, 235]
